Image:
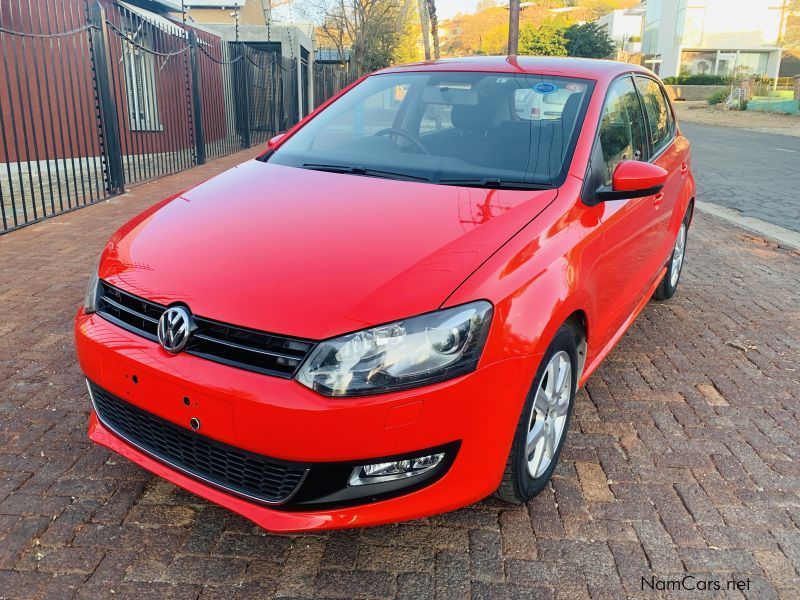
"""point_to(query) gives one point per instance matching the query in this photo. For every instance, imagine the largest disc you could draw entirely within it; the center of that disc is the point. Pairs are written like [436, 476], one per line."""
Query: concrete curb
[785, 237]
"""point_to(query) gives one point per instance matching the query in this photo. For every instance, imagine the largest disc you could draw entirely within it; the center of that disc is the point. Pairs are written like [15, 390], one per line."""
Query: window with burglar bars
[96, 95]
[140, 81]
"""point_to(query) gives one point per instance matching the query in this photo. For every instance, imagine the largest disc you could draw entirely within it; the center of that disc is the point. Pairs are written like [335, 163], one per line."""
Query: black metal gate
[93, 99]
[50, 159]
[329, 79]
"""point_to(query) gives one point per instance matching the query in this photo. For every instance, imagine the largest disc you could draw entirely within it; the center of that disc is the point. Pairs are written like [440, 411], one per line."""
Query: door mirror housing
[633, 179]
[264, 155]
[273, 141]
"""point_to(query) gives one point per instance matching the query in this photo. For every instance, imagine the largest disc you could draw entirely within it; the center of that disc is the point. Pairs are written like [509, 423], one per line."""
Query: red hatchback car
[388, 313]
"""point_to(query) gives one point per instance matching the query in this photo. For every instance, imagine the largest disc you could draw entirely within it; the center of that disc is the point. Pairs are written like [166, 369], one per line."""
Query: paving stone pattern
[683, 458]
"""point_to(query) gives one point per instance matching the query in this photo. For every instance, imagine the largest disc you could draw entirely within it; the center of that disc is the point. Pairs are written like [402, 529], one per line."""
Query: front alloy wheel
[542, 428]
[677, 256]
[666, 289]
[549, 414]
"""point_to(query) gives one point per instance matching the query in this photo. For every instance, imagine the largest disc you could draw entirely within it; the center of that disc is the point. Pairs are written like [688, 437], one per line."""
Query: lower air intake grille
[239, 471]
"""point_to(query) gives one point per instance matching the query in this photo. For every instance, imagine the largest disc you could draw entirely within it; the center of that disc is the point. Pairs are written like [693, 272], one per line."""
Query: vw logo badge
[174, 329]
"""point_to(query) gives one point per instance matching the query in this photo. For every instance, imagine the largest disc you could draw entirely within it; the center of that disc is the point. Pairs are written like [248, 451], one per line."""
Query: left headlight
[408, 353]
[90, 299]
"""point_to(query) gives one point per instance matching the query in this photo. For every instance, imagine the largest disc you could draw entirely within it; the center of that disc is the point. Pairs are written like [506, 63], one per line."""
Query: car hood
[313, 254]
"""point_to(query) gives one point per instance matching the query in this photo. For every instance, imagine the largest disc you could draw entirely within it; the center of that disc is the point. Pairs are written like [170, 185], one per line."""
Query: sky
[445, 9]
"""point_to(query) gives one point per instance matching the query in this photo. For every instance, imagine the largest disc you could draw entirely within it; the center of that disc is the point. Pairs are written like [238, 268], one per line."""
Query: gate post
[109, 126]
[241, 74]
[197, 101]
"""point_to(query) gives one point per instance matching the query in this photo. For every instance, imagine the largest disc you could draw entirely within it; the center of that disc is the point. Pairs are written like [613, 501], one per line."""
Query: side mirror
[633, 179]
[273, 141]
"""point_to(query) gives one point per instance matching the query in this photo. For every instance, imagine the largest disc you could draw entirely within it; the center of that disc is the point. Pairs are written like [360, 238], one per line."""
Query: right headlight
[90, 299]
[408, 353]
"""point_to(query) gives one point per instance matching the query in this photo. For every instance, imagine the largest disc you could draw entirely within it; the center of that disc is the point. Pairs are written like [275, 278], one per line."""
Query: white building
[624, 27]
[715, 37]
[250, 21]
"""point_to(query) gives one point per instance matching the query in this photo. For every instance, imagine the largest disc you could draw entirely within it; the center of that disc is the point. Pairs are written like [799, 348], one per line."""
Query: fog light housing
[394, 470]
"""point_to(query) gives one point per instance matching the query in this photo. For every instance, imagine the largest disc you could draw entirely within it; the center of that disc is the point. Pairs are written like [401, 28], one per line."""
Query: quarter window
[659, 116]
[622, 133]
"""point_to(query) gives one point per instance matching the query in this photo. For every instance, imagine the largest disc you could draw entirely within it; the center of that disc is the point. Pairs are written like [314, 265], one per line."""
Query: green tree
[407, 49]
[546, 40]
[372, 29]
[598, 8]
[589, 41]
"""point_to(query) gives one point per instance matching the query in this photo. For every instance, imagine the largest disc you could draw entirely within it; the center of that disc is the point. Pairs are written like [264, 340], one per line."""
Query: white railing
[735, 97]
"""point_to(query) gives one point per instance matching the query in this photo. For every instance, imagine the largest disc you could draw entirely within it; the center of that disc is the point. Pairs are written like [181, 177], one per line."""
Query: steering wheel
[403, 133]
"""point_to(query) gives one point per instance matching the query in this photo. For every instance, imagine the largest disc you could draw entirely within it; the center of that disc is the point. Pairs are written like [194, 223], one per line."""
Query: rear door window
[622, 127]
[659, 116]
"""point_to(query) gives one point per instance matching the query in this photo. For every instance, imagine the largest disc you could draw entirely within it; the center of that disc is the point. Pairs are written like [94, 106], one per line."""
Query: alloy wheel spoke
[534, 437]
[563, 405]
[550, 441]
[536, 460]
[561, 377]
[541, 403]
[550, 385]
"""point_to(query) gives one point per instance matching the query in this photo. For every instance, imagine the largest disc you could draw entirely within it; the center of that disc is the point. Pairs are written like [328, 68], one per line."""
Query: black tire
[518, 485]
[667, 288]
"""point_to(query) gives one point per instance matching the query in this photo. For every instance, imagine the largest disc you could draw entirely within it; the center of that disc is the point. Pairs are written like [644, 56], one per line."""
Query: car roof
[585, 68]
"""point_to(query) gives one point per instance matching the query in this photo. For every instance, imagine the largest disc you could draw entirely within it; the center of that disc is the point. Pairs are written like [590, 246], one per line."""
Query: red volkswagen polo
[388, 313]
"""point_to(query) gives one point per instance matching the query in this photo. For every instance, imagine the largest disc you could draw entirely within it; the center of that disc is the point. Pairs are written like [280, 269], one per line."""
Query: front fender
[539, 278]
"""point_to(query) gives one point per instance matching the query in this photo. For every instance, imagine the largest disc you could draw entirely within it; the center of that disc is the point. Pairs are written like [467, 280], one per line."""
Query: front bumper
[284, 420]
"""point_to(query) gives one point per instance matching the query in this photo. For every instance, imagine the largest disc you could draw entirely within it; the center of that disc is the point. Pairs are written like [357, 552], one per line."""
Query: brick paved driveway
[684, 458]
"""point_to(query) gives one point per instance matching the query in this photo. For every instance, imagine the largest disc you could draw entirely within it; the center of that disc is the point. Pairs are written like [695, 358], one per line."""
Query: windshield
[488, 129]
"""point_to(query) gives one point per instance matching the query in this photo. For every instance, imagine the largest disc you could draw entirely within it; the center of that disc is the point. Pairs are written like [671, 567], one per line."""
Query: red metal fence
[94, 96]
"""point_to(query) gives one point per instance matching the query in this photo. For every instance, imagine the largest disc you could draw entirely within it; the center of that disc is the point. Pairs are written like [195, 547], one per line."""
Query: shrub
[588, 40]
[698, 80]
[546, 40]
[717, 97]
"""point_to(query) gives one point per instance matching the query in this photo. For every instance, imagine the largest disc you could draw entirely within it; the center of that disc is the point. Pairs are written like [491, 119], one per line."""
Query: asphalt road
[753, 172]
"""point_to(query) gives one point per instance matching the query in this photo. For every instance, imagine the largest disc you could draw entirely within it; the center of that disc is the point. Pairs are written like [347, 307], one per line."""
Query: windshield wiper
[355, 170]
[496, 183]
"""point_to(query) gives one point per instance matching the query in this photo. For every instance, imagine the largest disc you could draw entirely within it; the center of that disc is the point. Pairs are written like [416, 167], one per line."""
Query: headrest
[571, 107]
[449, 95]
[471, 118]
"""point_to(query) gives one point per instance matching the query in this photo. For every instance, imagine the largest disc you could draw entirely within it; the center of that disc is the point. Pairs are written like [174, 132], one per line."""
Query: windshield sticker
[576, 87]
[545, 88]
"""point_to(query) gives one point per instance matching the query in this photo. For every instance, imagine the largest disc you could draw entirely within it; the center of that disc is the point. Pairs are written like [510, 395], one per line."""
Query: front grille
[236, 346]
[239, 471]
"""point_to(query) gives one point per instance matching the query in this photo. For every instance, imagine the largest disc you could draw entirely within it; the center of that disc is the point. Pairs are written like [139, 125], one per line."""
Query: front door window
[622, 133]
